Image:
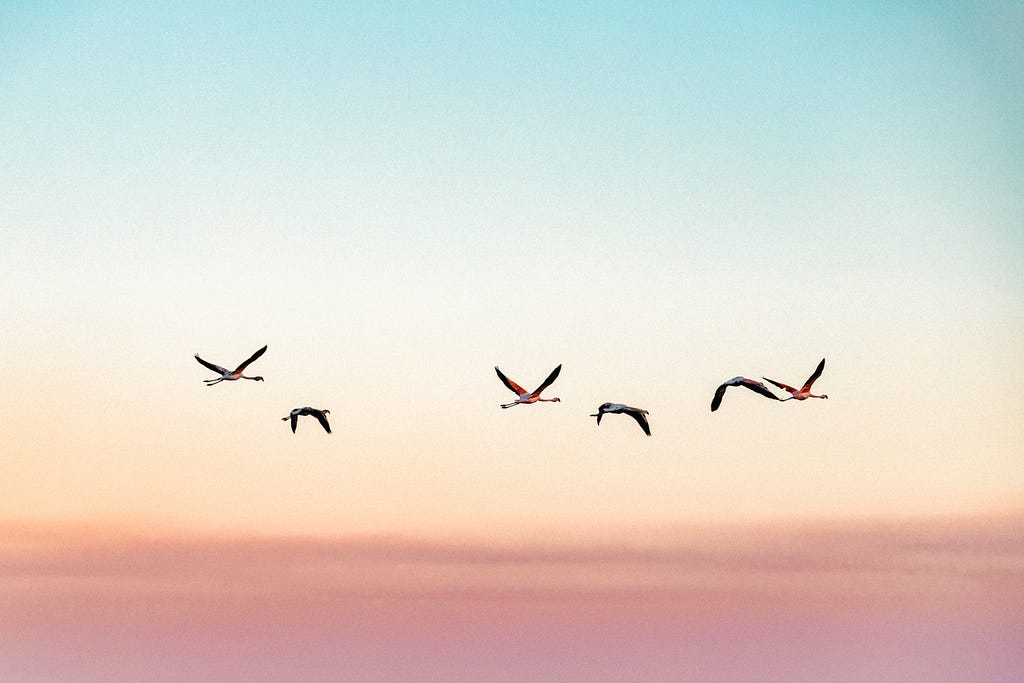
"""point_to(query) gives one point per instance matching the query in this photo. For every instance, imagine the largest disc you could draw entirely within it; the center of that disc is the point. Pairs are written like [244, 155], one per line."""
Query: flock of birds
[231, 375]
[525, 397]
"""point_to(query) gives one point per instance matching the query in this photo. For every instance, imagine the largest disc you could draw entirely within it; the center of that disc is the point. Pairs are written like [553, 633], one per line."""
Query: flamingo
[231, 375]
[637, 414]
[751, 384]
[526, 396]
[318, 414]
[804, 392]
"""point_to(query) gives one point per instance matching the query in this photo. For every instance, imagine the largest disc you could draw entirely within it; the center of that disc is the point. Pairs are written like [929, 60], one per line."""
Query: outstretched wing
[513, 387]
[216, 368]
[251, 359]
[323, 419]
[295, 421]
[551, 378]
[719, 393]
[641, 418]
[760, 388]
[816, 375]
[780, 385]
[751, 384]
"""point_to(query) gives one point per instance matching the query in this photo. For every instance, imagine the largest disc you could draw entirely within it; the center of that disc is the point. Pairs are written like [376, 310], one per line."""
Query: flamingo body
[320, 415]
[231, 375]
[804, 392]
[525, 396]
[638, 414]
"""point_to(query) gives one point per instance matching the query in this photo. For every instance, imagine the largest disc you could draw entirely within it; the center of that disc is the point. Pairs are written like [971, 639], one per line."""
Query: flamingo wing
[641, 418]
[515, 388]
[295, 421]
[780, 385]
[251, 359]
[719, 393]
[216, 368]
[319, 414]
[751, 384]
[816, 375]
[760, 388]
[551, 378]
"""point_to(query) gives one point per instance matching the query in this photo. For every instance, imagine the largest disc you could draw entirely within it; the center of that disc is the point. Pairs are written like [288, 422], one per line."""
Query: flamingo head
[258, 379]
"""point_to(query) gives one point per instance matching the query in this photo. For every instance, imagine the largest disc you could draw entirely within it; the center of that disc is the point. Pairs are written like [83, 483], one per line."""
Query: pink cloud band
[93, 604]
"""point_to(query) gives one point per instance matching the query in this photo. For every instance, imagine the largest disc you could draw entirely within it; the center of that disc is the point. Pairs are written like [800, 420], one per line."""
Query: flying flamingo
[527, 396]
[318, 414]
[637, 414]
[231, 375]
[804, 392]
[751, 384]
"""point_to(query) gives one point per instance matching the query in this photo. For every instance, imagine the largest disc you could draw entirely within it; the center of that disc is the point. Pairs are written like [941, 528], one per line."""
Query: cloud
[871, 557]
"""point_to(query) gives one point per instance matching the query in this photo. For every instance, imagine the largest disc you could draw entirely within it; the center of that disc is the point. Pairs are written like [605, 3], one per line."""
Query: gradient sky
[397, 197]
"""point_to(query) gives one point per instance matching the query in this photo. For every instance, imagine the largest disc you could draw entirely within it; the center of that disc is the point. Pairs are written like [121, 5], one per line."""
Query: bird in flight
[637, 414]
[804, 392]
[231, 375]
[751, 384]
[528, 396]
[321, 415]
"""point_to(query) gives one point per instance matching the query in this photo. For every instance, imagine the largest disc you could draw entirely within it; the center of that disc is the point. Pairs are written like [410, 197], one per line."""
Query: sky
[395, 198]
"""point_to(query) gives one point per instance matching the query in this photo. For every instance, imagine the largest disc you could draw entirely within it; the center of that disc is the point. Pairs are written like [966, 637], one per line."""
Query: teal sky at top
[594, 102]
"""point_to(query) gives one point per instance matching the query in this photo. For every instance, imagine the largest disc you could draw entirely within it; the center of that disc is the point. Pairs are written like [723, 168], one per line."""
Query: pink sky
[916, 600]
